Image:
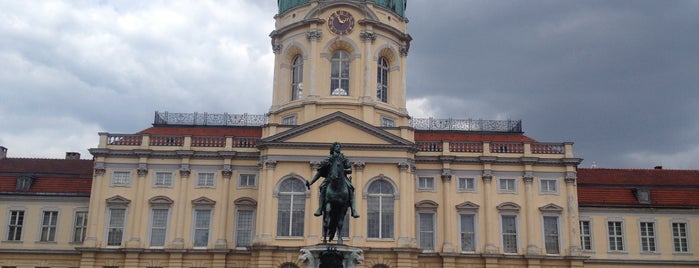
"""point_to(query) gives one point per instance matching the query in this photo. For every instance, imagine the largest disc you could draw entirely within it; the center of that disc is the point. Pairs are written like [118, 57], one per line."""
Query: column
[356, 228]
[265, 220]
[136, 216]
[95, 207]
[529, 215]
[180, 204]
[448, 212]
[406, 185]
[314, 36]
[222, 229]
[491, 230]
[315, 223]
[573, 234]
[368, 37]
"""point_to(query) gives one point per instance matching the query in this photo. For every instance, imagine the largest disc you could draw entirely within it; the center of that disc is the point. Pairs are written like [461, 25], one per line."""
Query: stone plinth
[311, 255]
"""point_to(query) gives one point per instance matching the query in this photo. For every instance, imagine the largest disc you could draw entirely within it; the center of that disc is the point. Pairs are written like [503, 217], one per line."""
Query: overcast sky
[620, 79]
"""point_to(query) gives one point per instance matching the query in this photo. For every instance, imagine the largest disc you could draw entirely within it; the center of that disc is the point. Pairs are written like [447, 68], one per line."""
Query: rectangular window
[158, 228]
[289, 120]
[615, 235]
[548, 186]
[507, 185]
[243, 228]
[163, 179]
[586, 235]
[680, 237]
[509, 233]
[425, 183]
[468, 233]
[205, 179]
[647, 236]
[426, 222]
[80, 226]
[551, 234]
[121, 178]
[247, 180]
[467, 185]
[48, 226]
[117, 221]
[202, 223]
[15, 225]
[387, 122]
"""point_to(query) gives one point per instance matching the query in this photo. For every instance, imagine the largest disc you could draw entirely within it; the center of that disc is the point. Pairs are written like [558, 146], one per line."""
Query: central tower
[347, 56]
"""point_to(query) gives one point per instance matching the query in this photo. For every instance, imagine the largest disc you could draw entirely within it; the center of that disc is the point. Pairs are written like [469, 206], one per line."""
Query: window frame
[381, 233]
[466, 189]
[516, 233]
[340, 62]
[289, 120]
[507, 191]
[428, 180]
[474, 216]
[198, 183]
[161, 185]
[109, 211]
[651, 239]
[79, 228]
[151, 223]
[297, 77]
[10, 226]
[545, 235]
[237, 230]
[433, 232]
[546, 181]
[246, 185]
[51, 229]
[686, 237]
[590, 235]
[382, 79]
[113, 178]
[387, 121]
[617, 237]
[195, 213]
[291, 231]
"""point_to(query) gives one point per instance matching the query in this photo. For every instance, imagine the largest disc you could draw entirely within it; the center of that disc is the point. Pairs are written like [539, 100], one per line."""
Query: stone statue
[336, 192]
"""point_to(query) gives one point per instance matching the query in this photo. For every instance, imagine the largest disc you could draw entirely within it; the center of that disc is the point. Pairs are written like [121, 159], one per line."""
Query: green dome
[398, 6]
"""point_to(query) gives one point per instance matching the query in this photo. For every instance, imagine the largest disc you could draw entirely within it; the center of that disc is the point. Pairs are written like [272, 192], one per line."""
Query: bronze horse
[337, 201]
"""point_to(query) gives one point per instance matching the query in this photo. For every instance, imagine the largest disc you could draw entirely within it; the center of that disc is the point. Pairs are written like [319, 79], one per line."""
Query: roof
[619, 187]
[426, 135]
[50, 176]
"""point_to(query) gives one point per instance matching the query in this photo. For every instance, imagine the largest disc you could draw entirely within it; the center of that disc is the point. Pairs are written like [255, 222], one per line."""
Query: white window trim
[240, 176]
[196, 181]
[426, 189]
[543, 233]
[235, 227]
[75, 224]
[623, 234]
[150, 225]
[467, 190]
[475, 231]
[501, 191]
[541, 184]
[432, 211]
[7, 224]
[41, 225]
[155, 179]
[655, 236]
[688, 229]
[289, 120]
[592, 235]
[108, 216]
[194, 222]
[517, 230]
[387, 121]
[111, 178]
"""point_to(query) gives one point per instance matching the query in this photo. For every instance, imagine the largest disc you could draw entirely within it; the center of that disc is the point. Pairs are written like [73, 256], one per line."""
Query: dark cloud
[617, 77]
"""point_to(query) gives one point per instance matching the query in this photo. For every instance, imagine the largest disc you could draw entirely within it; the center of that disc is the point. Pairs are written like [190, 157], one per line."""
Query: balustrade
[124, 139]
[506, 147]
[465, 147]
[429, 146]
[166, 141]
[245, 142]
[202, 141]
[548, 148]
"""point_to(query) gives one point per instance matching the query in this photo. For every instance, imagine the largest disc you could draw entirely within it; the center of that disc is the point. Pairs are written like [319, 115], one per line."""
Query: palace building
[201, 190]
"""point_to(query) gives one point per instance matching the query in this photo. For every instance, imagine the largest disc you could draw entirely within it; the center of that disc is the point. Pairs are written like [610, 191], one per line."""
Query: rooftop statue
[336, 193]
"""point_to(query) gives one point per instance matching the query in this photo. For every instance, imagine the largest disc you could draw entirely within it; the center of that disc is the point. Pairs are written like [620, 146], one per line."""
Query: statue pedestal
[331, 255]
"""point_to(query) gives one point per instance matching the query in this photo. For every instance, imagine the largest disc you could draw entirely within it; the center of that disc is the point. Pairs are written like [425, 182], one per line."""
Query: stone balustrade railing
[537, 148]
[140, 140]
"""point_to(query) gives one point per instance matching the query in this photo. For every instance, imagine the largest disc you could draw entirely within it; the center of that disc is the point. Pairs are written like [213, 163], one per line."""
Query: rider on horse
[325, 169]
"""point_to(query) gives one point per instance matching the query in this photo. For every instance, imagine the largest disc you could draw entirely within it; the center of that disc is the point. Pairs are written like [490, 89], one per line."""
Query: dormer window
[642, 195]
[24, 182]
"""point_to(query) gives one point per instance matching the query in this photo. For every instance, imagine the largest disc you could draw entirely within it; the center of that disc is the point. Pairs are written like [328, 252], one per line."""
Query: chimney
[658, 167]
[3, 152]
[72, 156]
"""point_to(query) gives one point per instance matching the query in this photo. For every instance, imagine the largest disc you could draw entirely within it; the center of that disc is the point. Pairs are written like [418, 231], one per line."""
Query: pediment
[508, 206]
[426, 204]
[160, 200]
[118, 200]
[338, 127]
[468, 205]
[551, 208]
[203, 201]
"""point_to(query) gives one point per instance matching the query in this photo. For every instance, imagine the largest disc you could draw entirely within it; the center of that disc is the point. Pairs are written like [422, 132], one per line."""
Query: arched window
[382, 80]
[339, 73]
[292, 204]
[380, 209]
[296, 77]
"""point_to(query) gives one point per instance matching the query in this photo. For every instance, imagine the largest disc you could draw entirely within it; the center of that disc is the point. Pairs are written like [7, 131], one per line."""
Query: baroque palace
[202, 190]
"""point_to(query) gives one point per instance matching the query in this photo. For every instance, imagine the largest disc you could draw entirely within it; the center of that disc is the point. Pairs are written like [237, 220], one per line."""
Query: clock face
[341, 22]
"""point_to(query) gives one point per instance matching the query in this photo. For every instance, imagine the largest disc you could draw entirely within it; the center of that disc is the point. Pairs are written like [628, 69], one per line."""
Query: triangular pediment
[117, 200]
[468, 205]
[338, 127]
[551, 208]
